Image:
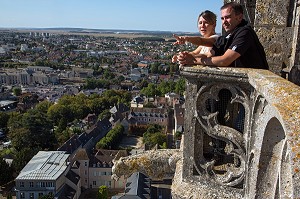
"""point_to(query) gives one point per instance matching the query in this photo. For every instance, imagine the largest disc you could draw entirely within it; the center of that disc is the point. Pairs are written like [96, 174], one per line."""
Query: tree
[178, 135]
[43, 106]
[154, 136]
[150, 90]
[4, 117]
[17, 91]
[143, 84]
[102, 192]
[6, 172]
[62, 125]
[180, 86]
[154, 68]
[149, 105]
[108, 74]
[58, 111]
[48, 196]
[166, 87]
[151, 139]
[104, 114]
[32, 129]
[23, 157]
[9, 196]
[112, 138]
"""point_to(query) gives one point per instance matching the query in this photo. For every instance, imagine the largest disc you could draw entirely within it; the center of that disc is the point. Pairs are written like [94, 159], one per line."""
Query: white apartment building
[54, 172]
[29, 76]
[47, 173]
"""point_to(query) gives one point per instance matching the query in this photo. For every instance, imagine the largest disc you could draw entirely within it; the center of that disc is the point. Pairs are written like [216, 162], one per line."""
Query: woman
[206, 25]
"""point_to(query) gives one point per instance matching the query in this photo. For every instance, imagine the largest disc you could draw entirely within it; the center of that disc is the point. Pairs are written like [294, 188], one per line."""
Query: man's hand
[185, 58]
[179, 39]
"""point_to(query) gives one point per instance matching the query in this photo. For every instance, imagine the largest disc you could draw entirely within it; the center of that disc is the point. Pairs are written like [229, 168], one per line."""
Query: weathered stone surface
[277, 25]
[203, 188]
[157, 164]
[268, 143]
[271, 13]
[278, 46]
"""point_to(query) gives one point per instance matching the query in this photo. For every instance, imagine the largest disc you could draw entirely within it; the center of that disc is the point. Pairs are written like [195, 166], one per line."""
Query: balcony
[241, 137]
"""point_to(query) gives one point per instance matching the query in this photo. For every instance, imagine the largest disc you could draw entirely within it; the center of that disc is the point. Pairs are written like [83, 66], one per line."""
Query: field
[129, 34]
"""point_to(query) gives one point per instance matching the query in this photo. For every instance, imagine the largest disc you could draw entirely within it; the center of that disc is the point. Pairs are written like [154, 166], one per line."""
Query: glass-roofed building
[44, 174]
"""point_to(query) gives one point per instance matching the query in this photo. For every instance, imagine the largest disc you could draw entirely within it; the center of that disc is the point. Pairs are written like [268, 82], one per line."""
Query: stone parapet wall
[271, 13]
[277, 25]
[276, 33]
[241, 139]
[277, 42]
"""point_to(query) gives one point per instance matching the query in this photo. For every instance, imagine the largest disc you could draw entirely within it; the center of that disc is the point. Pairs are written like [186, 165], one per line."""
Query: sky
[153, 15]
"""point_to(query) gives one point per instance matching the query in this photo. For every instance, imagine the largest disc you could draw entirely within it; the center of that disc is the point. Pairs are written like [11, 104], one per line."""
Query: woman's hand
[175, 58]
[179, 39]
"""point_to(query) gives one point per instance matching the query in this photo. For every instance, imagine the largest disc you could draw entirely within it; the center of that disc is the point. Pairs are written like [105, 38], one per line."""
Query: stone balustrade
[241, 137]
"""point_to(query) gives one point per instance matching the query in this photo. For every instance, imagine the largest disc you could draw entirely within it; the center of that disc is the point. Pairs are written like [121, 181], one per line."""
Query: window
[102, 173]
[49, 184]
[30, 184]
[94, 183]
[95, 173]
[21, 184]
[85, 164]
[85, 172]
[31, 195]
[41, 194]
[22, 195]
[108, 184]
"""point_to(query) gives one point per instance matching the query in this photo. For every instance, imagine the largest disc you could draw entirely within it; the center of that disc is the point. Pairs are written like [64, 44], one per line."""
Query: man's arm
[224, 60]
[196, 40]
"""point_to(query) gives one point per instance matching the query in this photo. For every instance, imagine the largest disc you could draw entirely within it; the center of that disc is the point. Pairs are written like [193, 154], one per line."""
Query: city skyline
[152, 15]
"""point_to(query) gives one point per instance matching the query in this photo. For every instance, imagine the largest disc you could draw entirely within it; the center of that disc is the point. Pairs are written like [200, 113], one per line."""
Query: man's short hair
[237, 8]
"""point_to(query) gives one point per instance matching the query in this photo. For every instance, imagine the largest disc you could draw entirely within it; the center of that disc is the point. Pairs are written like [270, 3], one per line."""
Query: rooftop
[45, 165]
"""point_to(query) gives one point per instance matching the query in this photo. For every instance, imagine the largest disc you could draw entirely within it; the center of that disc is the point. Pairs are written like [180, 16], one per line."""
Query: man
[239, 48]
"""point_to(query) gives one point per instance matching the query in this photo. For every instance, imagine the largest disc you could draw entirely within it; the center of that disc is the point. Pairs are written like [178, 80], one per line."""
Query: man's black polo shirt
[244, 41]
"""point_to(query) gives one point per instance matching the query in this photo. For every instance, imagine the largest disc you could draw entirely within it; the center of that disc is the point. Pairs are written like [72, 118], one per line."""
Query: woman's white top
[205, 49]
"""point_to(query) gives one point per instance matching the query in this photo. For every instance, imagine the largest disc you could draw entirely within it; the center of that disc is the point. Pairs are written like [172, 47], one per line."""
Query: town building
[46, 173]
[145, 116]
